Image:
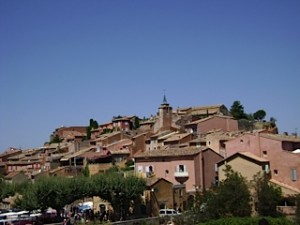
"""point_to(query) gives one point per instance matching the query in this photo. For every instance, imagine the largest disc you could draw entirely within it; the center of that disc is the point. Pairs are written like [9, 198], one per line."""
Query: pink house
[194, 167]
[216, 122]
[123, 123]
[279, 150]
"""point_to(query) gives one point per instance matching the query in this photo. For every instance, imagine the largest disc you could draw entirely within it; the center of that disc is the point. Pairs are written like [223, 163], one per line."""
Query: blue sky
[64, 62]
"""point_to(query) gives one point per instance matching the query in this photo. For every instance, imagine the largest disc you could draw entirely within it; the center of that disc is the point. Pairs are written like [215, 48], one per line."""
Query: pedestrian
[72, 219]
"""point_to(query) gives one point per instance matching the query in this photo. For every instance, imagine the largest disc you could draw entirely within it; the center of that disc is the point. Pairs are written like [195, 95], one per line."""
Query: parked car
[168, 212]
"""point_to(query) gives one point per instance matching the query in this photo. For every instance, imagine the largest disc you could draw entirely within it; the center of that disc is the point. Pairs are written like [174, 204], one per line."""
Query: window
[180, 192]
[276, 172]
[265, 153]
[140, 169]
[149, 171]
[267, 168]
[294, 176]
[180, 168]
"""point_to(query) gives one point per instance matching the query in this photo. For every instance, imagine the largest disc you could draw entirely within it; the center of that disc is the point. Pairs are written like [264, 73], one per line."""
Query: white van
[168, 212]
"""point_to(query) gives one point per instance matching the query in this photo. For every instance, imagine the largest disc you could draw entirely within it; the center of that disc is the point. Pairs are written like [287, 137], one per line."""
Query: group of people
[76, 216]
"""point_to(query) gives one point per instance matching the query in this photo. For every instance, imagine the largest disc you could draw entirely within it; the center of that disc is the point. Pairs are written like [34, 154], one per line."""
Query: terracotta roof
[163, 135]
[248, 155]
[105, 124]
[153, 180]
[281, 137]
[197, 110]
[147, 122]
[177, 137]
[9, 152]
[197, 140]
[22, 162]
[123, 118]
[170, 152]
[140, 134]
[208, 118]
[104, 136]
[255, 157]
[75, 154]
[121, 152]
[285, 186]
[119, 145]
[200, 107]
[12, 174]
[58, 169]
[96, 155]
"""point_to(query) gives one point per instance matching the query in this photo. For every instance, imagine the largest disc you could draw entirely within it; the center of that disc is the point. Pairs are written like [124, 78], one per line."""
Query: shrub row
[250, 221]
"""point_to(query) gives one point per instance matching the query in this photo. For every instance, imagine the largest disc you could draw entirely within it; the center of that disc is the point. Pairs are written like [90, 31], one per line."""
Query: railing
[149, 220]
[181, 174]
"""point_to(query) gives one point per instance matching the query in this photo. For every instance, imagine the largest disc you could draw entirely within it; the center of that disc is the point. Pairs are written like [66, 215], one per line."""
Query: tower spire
[165, 99]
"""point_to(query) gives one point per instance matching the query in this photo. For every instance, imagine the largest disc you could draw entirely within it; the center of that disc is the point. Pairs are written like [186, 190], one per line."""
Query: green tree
[268, 196]
[27, 200]
[259, 114]
[298, 209]
[86, 170]
[88, 133]
[93, 125]
[231, 197]
[118, 190]
[237, 110]
[136, 123]
[56, 139]
[53, 192]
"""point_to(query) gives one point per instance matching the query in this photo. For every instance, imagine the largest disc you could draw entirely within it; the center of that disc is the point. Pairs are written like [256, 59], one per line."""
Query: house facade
[279, 150]
[215, 122]
[193, 167]
[246, 163]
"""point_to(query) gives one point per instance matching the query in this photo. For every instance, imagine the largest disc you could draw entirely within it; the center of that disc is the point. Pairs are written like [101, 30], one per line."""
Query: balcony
[181, 176]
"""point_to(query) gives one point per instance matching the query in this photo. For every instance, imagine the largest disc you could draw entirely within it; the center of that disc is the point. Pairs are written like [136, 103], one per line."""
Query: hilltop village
[178, 151]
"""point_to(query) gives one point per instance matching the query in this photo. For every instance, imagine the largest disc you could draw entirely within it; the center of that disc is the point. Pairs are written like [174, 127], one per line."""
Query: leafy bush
[248, 221]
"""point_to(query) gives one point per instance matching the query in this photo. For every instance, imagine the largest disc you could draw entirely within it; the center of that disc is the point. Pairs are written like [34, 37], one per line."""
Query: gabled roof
[13, 174]
[11, 163]
[245, 155]
[171, 152]
[209, 118]
[177, 137]
[107, 135]
[285, 186]
[96, 155]
[10, 152]
[154, 180]
[141, 134]
[280, 137]
[122, 118]
[163, 135]
[75, 154]
[151, 121]
[202, 110]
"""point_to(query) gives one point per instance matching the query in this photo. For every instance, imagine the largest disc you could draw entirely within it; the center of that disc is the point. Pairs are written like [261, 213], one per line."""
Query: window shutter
[294, 174]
